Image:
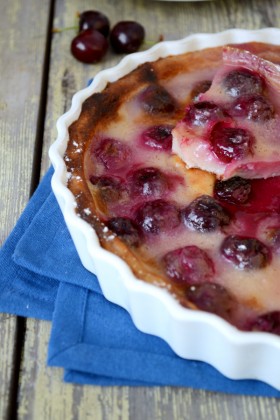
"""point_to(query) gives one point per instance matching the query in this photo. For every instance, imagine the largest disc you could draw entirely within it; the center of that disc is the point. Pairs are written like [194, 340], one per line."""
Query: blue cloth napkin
[94, 340]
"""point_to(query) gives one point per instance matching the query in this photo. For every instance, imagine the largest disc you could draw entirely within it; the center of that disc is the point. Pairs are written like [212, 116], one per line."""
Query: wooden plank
[22, 41]
[43, 395]
[7, 340]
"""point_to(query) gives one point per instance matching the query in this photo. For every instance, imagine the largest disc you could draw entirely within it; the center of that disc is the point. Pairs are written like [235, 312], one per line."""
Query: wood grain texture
[7, 340]
[42, 393]
[22, 41]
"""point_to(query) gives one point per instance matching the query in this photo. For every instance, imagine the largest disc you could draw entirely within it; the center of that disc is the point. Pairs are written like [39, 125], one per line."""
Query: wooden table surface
[38, 77]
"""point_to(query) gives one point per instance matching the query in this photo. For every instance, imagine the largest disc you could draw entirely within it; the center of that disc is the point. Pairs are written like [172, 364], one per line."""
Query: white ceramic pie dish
[191, 334]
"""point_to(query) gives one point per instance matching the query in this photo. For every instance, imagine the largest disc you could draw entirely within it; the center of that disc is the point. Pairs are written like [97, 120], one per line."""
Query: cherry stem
[69, 28]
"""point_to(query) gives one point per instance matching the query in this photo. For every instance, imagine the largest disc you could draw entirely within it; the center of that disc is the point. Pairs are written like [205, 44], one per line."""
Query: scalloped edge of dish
[186, 331]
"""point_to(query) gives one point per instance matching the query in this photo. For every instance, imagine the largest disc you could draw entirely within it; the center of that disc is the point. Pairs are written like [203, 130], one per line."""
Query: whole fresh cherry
[89, 46]
[92, 19]
[126, 37]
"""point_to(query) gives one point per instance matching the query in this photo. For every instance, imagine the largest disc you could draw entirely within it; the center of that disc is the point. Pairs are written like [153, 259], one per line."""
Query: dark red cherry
[112, 153]
[110, 188]
[200, 87]
[235, 190]
[245, 253]
[126, 37]
[205, 214]
[203, 113]
[157, 216]
[268, 322]
[126, 229]
[147, 182]
[92, 19]
[89, 46]
[212, 297]
[158, 137]
[188, 265]
[242, 82]
[253, 107]
[155, 99]
[230, 143]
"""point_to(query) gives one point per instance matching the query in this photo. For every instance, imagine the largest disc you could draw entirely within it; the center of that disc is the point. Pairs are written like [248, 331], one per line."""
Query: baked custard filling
[177, 168]
[232, 128]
